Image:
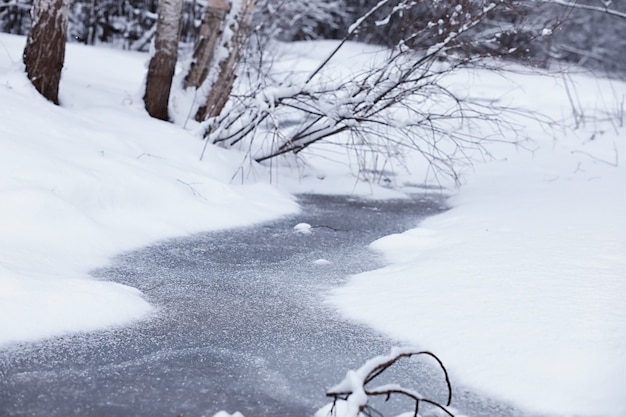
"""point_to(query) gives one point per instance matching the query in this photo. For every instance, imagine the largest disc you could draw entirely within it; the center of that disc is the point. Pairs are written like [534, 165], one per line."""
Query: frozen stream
[241, 325]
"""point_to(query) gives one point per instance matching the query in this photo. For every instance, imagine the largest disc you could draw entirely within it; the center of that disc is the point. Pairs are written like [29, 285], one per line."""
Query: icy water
[241, 326]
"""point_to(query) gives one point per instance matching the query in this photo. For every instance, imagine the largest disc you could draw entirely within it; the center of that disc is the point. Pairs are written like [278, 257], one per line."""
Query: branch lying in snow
[398, 106]
[354, 393]
[193, 190]
[614, 163]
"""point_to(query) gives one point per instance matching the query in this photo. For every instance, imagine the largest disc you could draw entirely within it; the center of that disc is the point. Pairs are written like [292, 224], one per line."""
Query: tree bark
[163, 62]
[224, 80]
[211, 31]
[44, 53]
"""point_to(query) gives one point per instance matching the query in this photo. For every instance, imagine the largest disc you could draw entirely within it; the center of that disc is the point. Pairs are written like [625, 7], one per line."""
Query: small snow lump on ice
[303, 228]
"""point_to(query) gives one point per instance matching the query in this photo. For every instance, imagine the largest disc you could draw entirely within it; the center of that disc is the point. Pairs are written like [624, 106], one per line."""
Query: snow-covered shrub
[398, 102]
[291, 20]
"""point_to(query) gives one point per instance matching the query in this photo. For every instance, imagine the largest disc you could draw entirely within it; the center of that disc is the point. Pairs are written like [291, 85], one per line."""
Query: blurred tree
[163, 61]
[586, 27]
[295, 20]
[206, 44]
[223, 36]
[591, 34]
[45, 47]
[587, 33]
[14, 16]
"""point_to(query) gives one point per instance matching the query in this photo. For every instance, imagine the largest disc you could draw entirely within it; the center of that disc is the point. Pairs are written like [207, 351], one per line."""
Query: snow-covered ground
[519, 287]
[95, 177]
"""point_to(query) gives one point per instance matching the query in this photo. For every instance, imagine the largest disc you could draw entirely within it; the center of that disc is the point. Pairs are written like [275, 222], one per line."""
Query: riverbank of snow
[95, 177]
[520, 286]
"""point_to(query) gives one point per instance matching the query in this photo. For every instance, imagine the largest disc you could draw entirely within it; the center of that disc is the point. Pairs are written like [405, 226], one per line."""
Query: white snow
[321, 261]
[519, 287]
[227, 414]
[303, 228]
[83, 182]
[349, 397]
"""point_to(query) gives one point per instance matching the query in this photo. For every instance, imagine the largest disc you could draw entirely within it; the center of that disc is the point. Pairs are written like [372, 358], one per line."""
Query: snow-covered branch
[401, 103]
[604, 8]
[351, 396]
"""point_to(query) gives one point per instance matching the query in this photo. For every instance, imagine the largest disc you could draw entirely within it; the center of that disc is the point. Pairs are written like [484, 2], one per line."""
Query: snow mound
[303, 228]
[520, 286]
[94, 177]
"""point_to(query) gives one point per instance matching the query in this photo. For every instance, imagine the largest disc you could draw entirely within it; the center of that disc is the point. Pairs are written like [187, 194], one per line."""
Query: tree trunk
[211, 31]
[163, 62]
[233, 39]
[44, 53]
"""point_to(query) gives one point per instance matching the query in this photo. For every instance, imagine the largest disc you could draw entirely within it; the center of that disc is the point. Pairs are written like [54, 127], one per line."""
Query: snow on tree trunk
[45, 47]
[211, 30]
[217, 54]
[147, 36]
[163, 61]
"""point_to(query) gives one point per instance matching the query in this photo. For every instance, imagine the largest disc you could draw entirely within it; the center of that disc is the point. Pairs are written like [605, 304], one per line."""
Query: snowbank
[83, 182]
[520, 286]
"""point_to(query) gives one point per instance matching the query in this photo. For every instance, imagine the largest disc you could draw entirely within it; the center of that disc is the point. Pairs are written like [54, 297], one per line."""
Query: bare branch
[400, 104]
[576, 5]
[355, 384]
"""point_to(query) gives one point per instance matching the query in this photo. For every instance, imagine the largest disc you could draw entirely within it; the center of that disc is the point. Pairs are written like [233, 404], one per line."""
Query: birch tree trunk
[210, 34]
[163, 62]
[227, 67]
[44, 53]
[223, 34]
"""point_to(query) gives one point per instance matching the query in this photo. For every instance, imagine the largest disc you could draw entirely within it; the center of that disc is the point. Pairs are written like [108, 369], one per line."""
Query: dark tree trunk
[163, 62]
[45, 47]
